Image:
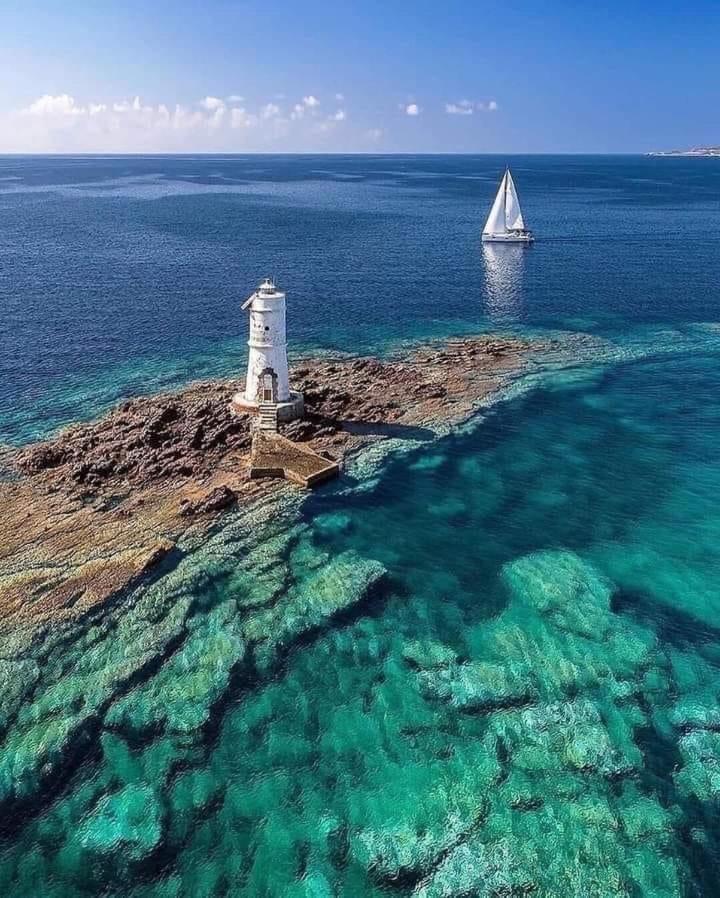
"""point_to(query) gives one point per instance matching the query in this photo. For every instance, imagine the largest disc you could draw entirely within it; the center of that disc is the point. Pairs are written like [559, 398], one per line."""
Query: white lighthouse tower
[267, 371]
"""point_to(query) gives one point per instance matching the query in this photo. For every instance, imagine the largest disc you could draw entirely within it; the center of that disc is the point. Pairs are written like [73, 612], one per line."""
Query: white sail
[505, 223]
[495, 223]
[513, 215]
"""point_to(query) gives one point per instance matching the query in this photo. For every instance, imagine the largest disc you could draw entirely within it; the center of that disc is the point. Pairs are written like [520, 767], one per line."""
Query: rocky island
[89, 512]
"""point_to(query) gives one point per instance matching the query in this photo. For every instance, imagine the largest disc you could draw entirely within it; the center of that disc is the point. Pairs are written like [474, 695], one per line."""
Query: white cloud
[467, 107]
[329, 123]
[412, 109]
[235, 98]
[217, 118]
[309, 103]
[183, 119]
[62, 105]
[212, 103]
[126, 106]
[339, 97]
[241, 118]
[108, 117]
[61, 123]
[374, 134]
[462, 107]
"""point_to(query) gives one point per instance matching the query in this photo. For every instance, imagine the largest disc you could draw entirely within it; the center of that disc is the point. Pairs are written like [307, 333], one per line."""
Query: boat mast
[505, 179]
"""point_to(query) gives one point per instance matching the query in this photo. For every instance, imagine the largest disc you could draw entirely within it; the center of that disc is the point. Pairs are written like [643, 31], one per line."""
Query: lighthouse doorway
[268, 386]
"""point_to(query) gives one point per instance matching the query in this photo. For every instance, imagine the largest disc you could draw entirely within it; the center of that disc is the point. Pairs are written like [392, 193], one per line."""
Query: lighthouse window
[267, 328]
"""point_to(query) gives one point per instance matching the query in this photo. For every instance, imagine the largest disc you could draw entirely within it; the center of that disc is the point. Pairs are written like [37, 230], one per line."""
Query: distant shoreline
[695, 151]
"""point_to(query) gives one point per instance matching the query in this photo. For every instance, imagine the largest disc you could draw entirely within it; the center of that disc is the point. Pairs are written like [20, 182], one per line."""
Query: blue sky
[369, 76]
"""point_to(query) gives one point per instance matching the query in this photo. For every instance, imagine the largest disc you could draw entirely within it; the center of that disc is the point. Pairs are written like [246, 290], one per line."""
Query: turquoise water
[486, 665]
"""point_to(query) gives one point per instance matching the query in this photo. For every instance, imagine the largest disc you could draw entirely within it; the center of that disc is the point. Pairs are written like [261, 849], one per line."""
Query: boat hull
[507, 238]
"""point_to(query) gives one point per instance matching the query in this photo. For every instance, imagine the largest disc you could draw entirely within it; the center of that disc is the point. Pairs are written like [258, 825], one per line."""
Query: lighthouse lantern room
[267, 370]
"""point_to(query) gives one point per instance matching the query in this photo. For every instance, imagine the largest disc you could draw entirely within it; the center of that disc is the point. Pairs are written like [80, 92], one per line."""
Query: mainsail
[513, 215]
[495, 223]
[505, 214]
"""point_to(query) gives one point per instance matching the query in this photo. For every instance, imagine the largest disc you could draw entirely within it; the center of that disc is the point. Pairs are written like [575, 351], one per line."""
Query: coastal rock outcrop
[217, 499]
[144, 441]
[103, 502]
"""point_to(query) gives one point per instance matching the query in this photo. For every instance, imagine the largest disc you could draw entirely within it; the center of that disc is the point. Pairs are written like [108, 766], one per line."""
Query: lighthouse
[268, 382]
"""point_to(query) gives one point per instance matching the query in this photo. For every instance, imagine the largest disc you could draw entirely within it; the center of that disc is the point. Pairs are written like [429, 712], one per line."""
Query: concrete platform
[286, 411]
[274, 455]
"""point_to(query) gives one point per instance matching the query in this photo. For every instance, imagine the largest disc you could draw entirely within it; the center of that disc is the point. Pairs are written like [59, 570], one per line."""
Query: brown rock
[216, 500]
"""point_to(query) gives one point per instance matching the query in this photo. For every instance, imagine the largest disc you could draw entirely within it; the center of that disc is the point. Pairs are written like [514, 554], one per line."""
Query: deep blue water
[530, 703]
[110, 265]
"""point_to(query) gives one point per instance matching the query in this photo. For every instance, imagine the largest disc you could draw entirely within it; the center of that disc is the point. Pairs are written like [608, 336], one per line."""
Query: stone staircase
[267, 417]
[273, 455]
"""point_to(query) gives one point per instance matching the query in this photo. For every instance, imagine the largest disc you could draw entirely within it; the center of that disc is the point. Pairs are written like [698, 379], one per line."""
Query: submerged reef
[543, 733]
[182, 655]
[507, 763]
[317, 699]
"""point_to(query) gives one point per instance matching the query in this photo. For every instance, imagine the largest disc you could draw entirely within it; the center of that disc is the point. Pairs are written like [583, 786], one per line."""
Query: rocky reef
[94, 510]
[156, 667]
[507, 764]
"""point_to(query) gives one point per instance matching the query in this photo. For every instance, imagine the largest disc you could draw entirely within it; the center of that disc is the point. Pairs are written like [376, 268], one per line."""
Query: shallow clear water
[526, 701]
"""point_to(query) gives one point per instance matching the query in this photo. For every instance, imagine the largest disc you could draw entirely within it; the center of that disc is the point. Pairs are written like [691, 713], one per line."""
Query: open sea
[529, 702]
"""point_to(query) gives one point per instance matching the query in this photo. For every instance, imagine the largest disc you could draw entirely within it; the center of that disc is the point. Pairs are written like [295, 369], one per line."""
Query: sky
[443, 76]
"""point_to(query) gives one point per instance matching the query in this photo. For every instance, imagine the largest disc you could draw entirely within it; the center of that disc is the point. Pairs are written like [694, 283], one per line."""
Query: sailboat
[505, 222]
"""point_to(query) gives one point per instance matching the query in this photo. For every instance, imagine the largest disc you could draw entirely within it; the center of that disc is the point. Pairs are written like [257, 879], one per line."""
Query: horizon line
[106, 154]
